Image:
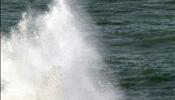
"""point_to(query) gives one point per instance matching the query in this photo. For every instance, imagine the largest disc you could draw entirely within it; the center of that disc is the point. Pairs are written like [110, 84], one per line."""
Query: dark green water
[138, 38]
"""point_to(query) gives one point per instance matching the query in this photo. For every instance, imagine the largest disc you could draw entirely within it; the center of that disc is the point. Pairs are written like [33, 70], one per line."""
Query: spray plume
[48, 58]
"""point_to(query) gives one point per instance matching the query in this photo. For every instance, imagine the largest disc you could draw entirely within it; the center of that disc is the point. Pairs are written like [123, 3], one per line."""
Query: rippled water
[137, 41]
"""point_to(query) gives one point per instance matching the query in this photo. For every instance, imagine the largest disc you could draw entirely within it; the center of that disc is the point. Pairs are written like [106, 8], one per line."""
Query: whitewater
[48, 57]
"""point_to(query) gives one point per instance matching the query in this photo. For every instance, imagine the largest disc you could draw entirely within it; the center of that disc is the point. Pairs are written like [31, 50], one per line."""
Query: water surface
[137, 37]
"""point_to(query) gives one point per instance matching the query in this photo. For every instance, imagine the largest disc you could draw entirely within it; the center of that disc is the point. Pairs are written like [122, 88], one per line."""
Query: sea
[131, 41]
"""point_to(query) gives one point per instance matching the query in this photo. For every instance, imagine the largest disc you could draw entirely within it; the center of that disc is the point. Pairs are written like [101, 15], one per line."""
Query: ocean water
[131, 41]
